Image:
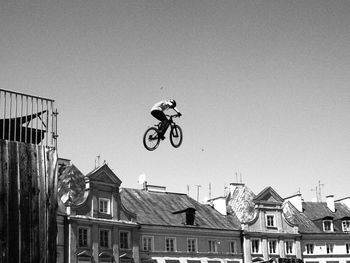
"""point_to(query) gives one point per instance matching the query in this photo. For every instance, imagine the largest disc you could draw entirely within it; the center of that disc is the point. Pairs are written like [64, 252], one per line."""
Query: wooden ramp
[28, 204]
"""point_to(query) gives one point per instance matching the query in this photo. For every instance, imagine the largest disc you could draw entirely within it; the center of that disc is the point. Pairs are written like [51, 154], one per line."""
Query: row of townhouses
[99, 221]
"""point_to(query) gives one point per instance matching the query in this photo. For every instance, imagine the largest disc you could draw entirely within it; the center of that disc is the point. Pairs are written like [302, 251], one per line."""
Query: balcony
[28, 119]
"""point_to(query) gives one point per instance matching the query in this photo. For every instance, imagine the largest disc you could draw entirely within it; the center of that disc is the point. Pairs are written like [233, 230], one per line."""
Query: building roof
[311, 219]
[304, 223]
[165, 209]
[319, 210]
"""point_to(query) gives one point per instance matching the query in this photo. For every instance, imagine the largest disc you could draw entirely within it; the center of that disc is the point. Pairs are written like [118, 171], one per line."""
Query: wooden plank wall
[28, 204]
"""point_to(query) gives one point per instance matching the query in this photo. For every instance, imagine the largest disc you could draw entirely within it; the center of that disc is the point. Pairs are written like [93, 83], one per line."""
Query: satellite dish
[142, 179]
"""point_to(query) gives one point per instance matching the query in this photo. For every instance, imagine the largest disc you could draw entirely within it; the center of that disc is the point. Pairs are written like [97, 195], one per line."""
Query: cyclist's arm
[177, 111]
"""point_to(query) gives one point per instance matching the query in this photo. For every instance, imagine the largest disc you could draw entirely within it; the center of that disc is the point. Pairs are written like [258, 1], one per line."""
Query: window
[347, 248]
[270, 221]
[255, 245]
[170, 244]
[346, 225]
[104, 238]
[232, 247]
[329, 248]
[289, 247]
[310, 248]
[147, 243]
[272, 245]
[124, 239]
[213, 246]
[84, 259]
[327, 225]
[83, 236]
[104, 206]
[190, 216]
[191, 245]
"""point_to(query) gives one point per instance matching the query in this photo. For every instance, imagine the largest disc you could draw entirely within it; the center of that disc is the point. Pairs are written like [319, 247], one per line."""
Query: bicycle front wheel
[151, 139]
[176, 136]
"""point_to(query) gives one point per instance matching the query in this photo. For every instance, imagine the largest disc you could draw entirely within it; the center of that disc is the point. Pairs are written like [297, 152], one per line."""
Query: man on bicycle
[157, 112]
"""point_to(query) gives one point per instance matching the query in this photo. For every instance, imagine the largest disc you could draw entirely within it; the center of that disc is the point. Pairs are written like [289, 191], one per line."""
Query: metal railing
[26, 118]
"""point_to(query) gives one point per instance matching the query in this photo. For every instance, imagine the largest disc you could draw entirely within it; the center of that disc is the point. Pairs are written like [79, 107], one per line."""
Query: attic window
[190, 216]
[104, 206]
[270, 221]
[346, 225]
[328, 225]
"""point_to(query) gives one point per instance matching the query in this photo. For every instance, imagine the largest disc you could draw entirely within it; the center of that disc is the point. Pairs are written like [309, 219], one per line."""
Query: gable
[268, 196]
[104, 175]
[104, 178]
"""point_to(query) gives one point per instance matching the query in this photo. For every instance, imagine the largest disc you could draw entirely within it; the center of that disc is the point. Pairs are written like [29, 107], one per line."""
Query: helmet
[173, 102]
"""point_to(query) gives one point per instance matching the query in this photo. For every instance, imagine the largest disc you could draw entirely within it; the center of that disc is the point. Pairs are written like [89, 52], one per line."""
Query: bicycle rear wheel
[151, 139]
[176, 136]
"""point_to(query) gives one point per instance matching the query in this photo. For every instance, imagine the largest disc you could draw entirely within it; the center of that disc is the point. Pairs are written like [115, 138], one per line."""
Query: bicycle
[153, 135]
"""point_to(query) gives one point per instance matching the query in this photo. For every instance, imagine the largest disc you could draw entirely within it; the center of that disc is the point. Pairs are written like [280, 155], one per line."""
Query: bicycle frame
[169, 123]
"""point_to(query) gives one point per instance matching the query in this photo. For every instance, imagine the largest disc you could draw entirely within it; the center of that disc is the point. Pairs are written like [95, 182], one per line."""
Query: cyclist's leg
[159, 115]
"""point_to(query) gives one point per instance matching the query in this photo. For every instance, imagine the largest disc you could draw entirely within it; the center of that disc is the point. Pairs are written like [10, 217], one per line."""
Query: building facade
[100, 222]
[267, 235]
[93, 225]
[325, 228]
[174, 228]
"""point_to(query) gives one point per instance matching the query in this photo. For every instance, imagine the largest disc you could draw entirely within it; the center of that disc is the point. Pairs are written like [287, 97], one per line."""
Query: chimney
[330, 202]
[297, 201]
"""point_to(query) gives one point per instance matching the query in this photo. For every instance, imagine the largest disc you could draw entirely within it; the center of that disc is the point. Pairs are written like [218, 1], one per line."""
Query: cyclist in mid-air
[157, 112]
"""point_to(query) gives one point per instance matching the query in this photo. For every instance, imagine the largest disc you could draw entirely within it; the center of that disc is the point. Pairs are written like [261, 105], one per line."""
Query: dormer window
[104, 206]
[328, 225]
[346, 225]
[190, 215]
[270, 221]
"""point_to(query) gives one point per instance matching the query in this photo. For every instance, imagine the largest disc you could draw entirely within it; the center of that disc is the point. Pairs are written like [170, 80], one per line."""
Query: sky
[263, 88]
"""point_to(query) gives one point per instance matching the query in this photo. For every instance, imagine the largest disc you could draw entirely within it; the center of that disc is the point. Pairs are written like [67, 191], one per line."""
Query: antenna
[316, 191]
[319, 190]
[98, 160]
[188, 190]
[209, 190]
[198, 186]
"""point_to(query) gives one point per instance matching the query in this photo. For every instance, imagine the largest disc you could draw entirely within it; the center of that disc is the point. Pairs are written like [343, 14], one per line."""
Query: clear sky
[263, 87]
